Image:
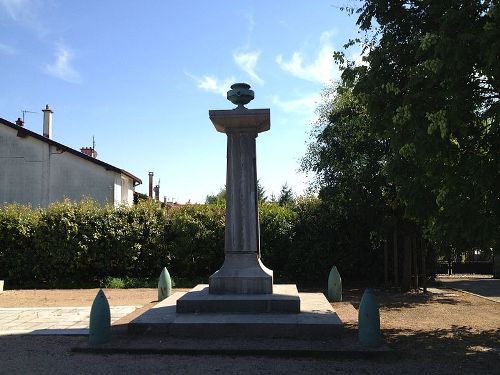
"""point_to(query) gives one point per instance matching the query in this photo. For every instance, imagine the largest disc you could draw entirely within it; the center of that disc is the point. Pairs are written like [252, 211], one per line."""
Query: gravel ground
[451, 333]
[43, 355]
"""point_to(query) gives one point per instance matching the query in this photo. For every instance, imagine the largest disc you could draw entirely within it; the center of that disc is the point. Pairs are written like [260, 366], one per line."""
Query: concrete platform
[479, 286]
[285, 299]
[316, 319]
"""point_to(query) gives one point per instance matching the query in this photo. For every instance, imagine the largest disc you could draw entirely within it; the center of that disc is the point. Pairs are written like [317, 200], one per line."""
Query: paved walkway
[484, 287]
[52, 320]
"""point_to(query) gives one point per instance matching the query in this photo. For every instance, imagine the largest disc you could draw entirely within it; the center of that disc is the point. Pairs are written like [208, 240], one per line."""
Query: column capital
[241, 120]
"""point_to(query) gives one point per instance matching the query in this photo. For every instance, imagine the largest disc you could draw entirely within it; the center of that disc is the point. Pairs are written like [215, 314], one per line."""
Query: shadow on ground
[460, 344]
[388, 298]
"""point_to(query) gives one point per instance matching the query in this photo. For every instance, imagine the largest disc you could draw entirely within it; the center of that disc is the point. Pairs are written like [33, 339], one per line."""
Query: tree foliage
[349, 162]
[406, 146]
[220, 197]
[346, 156]
[432, 89]
[261, 193]
[286, 196]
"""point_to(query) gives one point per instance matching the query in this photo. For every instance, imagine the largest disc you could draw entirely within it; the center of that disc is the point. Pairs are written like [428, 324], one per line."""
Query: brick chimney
[90, 151]
[150, 188]
[19, 122]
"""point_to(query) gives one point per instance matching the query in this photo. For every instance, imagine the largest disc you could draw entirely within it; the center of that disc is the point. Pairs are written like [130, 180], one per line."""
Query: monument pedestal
[284, 299]
[316, 319]
[242, 274]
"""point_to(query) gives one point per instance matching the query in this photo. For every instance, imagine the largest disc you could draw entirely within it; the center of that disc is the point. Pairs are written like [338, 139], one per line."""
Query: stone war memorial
[241, 298]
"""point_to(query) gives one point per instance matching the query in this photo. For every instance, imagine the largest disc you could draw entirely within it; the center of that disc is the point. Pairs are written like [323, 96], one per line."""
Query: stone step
[316, 319]
[284, 299]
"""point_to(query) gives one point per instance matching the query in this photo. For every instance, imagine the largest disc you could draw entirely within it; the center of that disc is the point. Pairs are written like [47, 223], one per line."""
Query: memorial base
[285, 299]
[242, 274]
[316, 319]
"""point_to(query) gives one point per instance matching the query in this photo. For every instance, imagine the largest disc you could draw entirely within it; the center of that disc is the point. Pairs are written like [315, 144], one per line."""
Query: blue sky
[140, 76]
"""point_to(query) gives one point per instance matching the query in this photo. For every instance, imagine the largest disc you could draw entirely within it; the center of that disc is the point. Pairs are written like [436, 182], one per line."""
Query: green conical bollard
[369, 320]
[100, 320]
[164, 285]
[334, 285]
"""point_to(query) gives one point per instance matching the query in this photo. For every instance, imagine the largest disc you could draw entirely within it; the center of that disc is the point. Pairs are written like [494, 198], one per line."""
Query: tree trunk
[423, 246]
[406, 281]
[415, 263]
[496, 265]
[386, 264]
[496, 257]
[395, 247]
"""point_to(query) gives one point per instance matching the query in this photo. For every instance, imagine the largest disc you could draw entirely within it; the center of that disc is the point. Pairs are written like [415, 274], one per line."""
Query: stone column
[242, 224]
[242, 271]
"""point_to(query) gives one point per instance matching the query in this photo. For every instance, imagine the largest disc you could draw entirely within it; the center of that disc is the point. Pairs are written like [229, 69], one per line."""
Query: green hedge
[80, 244]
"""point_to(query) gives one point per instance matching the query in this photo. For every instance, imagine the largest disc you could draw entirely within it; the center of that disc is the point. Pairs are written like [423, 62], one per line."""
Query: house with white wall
[36, 170]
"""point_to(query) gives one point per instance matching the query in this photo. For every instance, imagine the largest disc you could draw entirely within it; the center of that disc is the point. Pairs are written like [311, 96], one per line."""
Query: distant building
[36, 170]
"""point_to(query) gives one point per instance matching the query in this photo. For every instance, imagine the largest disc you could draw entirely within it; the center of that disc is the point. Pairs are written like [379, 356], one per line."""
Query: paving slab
[488, 288]
[53, 320]
[441, 292]
[316, 319]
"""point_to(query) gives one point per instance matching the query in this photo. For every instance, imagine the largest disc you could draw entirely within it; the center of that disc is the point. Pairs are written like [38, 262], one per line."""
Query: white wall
[33, 172]
[75, 178]
[123, 190]
[21, 162]
[130, 190]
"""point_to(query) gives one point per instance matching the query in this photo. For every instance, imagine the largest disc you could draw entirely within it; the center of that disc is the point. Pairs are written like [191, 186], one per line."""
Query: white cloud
[5, 49]
[26, 13]
[306, 105]
[213, 84]
[16, 9]
[61, 67]
[250, 27]
[251, 23]
[322, 69]
[247, 61]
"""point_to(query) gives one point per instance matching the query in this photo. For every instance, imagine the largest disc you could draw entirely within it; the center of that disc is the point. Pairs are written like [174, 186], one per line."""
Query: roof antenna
[93, 144]
[24, 111]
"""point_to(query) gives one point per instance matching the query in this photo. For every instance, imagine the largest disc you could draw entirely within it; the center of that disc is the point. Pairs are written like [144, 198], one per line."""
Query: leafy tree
[413, 133]
[286, 195]
[140, 197]
[349, 163]
[219, 198]
[347, 158]
[431, 86]
[261, 193]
